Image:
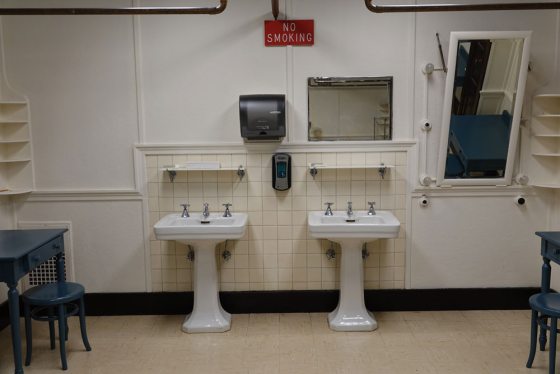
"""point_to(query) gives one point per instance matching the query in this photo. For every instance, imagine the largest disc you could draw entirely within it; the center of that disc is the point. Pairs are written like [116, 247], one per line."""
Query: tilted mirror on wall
[482, 107]
[350, 108]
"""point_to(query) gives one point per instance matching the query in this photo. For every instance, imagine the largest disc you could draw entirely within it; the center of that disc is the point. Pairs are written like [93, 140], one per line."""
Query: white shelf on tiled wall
[277, 253]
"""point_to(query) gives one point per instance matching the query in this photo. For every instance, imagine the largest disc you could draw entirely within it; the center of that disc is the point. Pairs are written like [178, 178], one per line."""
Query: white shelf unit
[172, 170]
[381, 168]
[545, 141]
[16, 169]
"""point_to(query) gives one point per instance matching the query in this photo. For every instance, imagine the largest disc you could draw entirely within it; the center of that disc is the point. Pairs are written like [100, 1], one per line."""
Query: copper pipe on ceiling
[457, 7]
[275, 9]
[112, 11]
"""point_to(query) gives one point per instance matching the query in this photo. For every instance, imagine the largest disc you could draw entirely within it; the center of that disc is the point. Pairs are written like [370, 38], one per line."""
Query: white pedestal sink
[351, 313]
[203, 234]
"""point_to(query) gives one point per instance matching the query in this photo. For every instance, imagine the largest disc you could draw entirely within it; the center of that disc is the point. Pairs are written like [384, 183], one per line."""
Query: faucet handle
[328, 211]
[371, 211]
[227, 213]
[185, 213]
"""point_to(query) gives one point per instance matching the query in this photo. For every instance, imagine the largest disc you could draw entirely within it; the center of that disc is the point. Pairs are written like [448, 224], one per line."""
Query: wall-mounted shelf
[16, 169]
[381, 168]
[545, 141]
[172, 170]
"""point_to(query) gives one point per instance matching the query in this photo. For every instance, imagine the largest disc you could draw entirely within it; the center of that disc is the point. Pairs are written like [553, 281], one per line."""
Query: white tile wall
[277, 253]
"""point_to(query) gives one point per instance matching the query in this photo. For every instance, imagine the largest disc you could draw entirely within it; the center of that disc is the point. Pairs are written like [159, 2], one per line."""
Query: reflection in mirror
[482, 106]
[350, 108]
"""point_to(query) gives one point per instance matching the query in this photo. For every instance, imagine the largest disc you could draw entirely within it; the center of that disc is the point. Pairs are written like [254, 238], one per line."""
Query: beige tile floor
[406, 342]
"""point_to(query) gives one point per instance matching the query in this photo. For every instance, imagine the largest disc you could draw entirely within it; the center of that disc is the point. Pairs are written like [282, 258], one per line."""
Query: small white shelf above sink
[172, 170]
[381, 168]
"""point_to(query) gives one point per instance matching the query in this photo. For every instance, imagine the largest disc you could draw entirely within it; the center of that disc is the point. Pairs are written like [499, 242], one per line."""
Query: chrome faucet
[227, 213]
[328, 211]
[185, 213]
[349, 211]
[371, 211]
[205, 212]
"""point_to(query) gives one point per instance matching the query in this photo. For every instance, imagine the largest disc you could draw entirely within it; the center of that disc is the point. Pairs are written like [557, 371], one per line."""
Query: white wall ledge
[309, 147]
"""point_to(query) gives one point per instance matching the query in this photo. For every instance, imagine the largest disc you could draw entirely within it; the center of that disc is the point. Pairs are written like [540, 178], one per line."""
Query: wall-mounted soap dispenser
[281, 171]
[262, 117]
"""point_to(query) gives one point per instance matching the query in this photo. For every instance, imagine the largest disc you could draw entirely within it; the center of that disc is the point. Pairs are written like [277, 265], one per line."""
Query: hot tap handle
[328, 211]
[185, 210]
[227, 213]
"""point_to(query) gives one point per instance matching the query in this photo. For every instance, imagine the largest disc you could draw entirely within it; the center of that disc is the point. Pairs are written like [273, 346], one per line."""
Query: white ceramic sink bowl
[174, 227]
[352, 232]
[381, 225]
[203, 234]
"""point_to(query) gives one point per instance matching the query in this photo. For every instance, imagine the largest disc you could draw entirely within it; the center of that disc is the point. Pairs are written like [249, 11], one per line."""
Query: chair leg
[542, 337]
[83, 324]
[28, 333]
[51, 327]
[62, 334]
[534, 328]
[552, 348]
[67, 329]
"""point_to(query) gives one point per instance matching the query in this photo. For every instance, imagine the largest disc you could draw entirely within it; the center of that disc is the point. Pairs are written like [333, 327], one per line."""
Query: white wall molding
[210, 148]
[474, 191]
[83, 195]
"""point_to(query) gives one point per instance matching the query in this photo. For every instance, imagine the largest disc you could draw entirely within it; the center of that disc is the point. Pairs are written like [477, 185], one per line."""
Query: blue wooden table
[550, 251]
[20, 252]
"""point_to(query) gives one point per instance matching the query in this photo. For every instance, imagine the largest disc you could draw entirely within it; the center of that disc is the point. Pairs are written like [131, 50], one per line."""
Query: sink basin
[196, 227]
[203, 234]
[352, 233]
[381, 225]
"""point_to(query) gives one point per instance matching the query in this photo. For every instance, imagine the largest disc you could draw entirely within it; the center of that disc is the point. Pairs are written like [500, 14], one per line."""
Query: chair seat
[53, 293]
[546, 303]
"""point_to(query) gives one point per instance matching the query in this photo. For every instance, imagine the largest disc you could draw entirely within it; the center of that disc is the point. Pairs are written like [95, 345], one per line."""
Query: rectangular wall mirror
[482, 107]
[350, 108]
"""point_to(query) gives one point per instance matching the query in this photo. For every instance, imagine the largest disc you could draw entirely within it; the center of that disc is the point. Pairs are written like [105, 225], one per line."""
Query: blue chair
[544, 306]
[50, 302]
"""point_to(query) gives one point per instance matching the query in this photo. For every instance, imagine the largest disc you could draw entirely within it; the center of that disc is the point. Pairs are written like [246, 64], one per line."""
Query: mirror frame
[455, 38]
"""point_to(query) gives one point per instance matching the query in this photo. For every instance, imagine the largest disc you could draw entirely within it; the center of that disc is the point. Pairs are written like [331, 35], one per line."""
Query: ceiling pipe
[457, 7]
[112, 11]
[275, 9]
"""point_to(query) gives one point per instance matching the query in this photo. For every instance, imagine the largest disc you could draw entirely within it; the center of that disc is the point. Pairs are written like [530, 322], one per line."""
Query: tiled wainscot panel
[277, 253]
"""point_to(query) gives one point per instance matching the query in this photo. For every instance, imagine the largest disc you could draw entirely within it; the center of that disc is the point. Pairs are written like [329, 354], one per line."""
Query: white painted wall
[98, 85]
[476, 242]
[108, 241]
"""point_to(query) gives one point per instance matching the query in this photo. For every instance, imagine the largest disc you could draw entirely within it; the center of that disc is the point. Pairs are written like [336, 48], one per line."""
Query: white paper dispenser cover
[262, 117]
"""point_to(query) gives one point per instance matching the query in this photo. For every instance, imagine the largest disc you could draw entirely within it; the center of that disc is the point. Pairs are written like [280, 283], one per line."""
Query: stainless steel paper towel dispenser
[262, 117]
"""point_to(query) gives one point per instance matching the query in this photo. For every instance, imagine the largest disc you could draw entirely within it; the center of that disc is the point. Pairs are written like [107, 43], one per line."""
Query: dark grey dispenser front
[262, 117]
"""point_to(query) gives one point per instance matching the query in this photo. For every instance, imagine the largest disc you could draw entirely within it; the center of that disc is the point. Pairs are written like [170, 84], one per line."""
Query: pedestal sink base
[208, 314]
[352, 321]
[351, 313]
[219, 322]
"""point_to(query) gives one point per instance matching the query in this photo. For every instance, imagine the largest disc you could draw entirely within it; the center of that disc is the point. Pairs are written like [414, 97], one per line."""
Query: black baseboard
[100, 304]
[146, 303]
